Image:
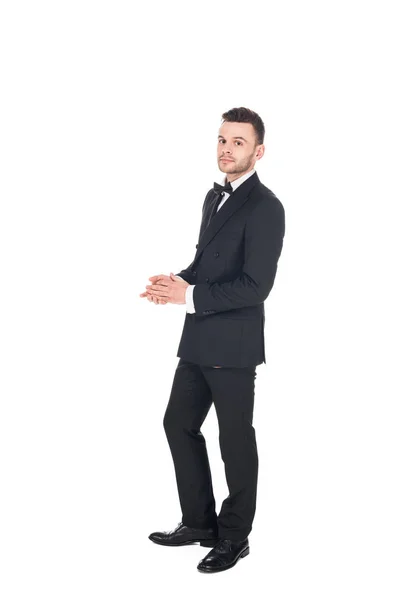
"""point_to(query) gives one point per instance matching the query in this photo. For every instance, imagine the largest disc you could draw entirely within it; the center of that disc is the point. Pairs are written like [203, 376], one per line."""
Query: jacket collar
[235, 184]
[235, 201]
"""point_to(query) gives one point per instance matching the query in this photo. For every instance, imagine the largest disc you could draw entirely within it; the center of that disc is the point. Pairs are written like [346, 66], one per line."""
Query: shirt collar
[235, 184]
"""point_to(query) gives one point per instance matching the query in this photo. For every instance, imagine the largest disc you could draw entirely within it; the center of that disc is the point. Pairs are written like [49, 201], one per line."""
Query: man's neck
[232, 177]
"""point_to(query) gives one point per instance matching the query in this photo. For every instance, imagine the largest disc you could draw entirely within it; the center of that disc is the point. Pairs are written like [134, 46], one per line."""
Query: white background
[109, 120]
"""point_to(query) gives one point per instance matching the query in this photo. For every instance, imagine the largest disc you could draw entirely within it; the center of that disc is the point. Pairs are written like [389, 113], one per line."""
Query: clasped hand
[165, 288]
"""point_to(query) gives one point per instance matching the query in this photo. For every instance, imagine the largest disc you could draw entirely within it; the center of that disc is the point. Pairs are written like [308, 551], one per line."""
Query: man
[224, 289]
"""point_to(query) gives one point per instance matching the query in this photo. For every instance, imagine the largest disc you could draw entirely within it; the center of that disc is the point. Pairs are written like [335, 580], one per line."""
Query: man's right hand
[150, 297]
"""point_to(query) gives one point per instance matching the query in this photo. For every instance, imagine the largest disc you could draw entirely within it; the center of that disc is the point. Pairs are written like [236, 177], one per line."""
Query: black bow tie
[223, 188]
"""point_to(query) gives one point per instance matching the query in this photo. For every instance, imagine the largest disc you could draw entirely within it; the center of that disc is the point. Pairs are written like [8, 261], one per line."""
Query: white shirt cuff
[189, 299]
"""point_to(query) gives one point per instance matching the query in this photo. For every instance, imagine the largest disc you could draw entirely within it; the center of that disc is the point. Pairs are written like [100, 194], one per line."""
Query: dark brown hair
[245, 115]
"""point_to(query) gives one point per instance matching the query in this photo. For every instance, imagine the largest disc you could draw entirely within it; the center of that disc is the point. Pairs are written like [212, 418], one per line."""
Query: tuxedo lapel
[231, 205]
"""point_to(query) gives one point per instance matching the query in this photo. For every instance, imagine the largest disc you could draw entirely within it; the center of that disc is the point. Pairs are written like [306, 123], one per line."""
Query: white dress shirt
[235, 184]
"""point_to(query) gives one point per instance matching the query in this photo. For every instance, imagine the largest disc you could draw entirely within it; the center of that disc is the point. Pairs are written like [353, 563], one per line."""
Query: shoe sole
[205, 543]
[244, 553]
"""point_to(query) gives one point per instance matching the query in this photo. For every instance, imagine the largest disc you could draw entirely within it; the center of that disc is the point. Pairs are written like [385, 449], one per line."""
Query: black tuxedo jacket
[234, 270]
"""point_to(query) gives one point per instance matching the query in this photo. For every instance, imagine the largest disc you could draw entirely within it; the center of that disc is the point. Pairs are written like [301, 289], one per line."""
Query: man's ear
[261, 150]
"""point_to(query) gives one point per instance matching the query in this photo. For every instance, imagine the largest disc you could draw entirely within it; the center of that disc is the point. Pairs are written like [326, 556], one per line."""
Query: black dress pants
[231, 389]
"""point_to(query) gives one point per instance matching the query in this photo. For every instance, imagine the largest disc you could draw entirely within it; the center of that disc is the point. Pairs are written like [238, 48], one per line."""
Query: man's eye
[223, 141]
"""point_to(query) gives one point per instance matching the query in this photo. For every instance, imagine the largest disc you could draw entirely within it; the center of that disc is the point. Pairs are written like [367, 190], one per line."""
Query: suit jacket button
[207, 280]
[216, 253]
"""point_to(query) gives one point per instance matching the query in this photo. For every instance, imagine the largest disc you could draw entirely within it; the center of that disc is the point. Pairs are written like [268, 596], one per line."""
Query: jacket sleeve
[263, 241]
[187, 274]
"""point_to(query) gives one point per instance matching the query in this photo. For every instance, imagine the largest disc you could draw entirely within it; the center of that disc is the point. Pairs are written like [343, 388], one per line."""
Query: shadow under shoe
[183, 535]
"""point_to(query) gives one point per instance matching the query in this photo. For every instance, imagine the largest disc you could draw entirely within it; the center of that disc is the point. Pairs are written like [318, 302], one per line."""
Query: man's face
[237, 142]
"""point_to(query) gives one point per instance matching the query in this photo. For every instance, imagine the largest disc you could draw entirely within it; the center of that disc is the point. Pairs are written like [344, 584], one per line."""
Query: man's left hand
[172, 290]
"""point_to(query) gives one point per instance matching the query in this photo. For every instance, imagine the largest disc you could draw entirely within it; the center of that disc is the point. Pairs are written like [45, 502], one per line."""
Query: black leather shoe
[182, 535]
[224, 556]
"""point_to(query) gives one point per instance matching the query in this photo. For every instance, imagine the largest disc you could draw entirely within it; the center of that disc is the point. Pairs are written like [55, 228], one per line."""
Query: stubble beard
[238, 168]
